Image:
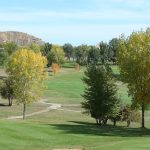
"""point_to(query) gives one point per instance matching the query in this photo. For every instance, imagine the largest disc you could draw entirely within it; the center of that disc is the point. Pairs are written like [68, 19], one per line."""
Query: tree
[35, 47]
[134, 63]
[100, 93]
[7, 90]
[6, 49]
[3, 55]
[46, 49]
[93, 55]
[113, 47]
[68, 49]
[81, 54]
[26, 69]
[56, 55]
[10, 47]
[104, 52]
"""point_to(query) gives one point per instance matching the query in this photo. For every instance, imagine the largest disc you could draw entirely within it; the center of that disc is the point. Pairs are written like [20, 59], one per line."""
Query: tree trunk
[97, 121]
[114, 122]
[9, 99]
[24, 110]
[143, 109]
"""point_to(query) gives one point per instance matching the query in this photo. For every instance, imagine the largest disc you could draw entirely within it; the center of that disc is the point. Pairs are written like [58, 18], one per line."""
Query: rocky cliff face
[19, 38]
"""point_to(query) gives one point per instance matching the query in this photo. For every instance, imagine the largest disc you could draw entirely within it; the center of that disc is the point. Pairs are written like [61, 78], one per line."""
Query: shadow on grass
[3, 105]
[108, 130]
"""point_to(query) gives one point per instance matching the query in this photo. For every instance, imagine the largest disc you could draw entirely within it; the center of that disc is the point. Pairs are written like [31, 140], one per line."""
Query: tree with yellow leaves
[26, 69]
[134, 63]
[56, 55]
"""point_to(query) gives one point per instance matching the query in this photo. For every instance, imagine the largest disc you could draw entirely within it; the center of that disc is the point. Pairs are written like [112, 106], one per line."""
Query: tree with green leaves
[81, 54]
[3, 55]
[7, 91]
[134, 63]
[10, 47]
[100, 98]
[26, 69]
[6, 49]
[113, 48]
[46, 49]
[104, 52]
[34, 47]
[68, 49]
[93, 55]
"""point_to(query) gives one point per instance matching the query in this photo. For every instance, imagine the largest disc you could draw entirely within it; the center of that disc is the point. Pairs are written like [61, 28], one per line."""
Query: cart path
[51, 106]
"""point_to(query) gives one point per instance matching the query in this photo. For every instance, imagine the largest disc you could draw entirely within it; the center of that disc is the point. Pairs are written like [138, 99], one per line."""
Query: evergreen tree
[100, 93]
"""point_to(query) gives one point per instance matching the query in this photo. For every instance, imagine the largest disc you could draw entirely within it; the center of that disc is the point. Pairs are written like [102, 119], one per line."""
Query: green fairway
[76, 133]
[65, 87]
[68, 127]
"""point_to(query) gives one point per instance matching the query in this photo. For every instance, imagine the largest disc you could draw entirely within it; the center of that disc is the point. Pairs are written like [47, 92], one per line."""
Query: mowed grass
[67, 129]
[65, 87]
[121, 87]
[59, 129]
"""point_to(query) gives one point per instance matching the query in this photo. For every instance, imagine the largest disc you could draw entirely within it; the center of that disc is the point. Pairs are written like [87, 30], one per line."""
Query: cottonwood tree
[113, 47]
[56, 55]
[6, 49]
[134, 64]
[81, 54]
[93, 55]
[3, 55]
[68, 49]
[100, 98]
[26, 69]
[45, 49]
[10, 47]
[34, 47]
[104, 52]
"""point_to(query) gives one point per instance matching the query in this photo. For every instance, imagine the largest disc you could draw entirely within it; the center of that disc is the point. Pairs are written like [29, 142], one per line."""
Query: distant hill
[19, 38]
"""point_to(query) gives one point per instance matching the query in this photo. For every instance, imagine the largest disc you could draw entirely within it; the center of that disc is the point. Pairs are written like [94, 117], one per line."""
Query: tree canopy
[56, 55]
[26, 69]
[134, 64]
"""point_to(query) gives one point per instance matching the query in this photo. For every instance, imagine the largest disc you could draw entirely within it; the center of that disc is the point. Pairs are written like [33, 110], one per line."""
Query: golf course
[57, 120]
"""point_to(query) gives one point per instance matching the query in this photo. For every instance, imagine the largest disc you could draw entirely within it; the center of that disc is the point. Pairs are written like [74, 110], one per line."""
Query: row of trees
[133, 59]
[82, 54]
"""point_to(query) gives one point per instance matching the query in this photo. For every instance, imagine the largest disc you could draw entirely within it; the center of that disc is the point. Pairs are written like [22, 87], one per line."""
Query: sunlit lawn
[67, 129]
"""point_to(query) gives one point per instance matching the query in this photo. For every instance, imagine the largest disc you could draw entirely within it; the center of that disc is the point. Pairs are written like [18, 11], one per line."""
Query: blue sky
[75, 21]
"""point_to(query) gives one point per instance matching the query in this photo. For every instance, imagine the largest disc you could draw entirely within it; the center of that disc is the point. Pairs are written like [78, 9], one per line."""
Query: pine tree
[100, 93]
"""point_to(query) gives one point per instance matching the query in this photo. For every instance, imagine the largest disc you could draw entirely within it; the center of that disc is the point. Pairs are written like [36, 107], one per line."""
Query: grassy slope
[65, 87]
[61, 129]
[122, 88]
[75, 131]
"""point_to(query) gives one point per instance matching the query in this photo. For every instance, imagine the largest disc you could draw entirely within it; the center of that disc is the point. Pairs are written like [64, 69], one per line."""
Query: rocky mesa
[19, 38]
